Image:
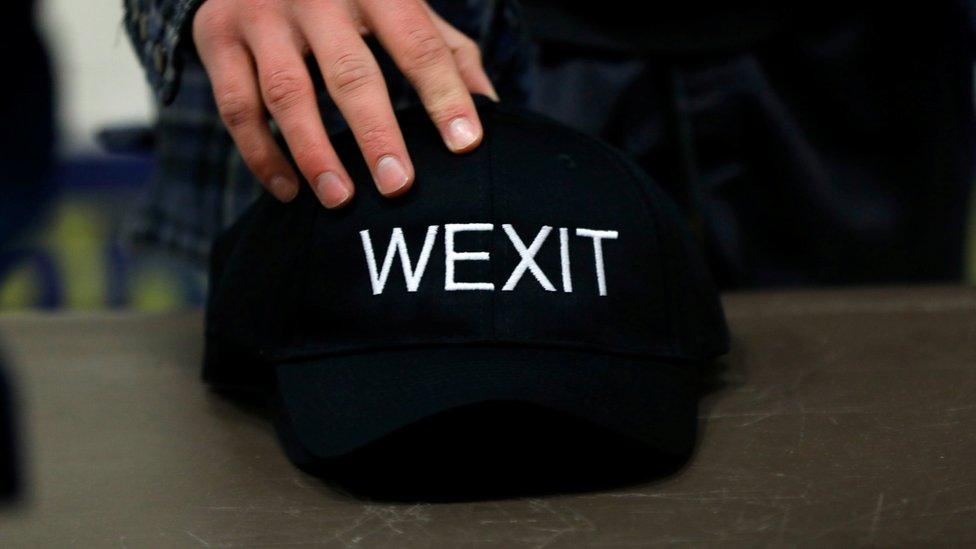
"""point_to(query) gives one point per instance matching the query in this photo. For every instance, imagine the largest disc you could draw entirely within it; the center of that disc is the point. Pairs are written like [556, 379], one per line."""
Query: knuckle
[284, 88]
[351, 72]
[469, 48]
[469, 59]
[234, 110]
[210, 25]
[259, 159]
[304, 4]
[307, 157]
[445, 104]
[425, 49]
[375, 137]
[255, 10]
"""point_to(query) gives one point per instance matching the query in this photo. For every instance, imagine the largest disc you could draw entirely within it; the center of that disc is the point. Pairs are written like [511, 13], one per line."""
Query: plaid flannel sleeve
[157, 29]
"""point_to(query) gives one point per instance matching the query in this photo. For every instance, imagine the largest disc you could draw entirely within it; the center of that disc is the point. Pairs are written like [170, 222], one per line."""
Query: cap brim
[332, 406]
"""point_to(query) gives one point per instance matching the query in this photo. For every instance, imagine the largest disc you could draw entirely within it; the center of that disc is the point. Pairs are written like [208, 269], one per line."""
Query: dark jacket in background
[811, 144]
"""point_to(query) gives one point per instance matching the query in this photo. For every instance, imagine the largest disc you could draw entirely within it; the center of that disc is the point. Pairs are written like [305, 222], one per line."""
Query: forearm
[160, 31]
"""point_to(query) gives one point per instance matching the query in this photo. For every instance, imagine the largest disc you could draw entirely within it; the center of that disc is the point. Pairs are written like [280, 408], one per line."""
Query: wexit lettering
[413, 272]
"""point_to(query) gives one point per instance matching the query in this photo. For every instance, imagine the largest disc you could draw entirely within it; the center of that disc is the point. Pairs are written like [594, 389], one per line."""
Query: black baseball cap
[543, 267]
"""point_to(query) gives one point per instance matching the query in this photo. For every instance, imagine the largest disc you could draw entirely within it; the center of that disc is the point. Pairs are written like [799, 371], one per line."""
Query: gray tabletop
[843, 417]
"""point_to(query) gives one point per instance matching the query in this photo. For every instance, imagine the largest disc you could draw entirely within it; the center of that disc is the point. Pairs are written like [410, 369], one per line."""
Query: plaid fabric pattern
[201, 184]
[156, 28]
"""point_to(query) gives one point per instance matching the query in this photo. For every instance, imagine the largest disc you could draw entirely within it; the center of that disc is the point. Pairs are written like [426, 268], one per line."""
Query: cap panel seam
[612, 155]
[662, 250]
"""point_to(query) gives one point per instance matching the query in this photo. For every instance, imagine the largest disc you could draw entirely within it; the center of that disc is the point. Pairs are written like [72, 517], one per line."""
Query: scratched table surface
[841, 417]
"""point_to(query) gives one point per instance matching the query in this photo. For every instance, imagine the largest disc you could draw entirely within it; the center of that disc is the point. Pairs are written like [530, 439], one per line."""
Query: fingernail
[461, 133]
[283, 187]
[391, 176]
[330, 190]
[493, 95]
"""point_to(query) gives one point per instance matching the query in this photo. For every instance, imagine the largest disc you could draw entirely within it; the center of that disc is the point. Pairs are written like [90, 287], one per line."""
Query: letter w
[397, 244]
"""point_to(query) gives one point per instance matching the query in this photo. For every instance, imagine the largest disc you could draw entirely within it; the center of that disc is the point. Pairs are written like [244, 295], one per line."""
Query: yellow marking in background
[20, 289]
[78, 241]
[153, 290]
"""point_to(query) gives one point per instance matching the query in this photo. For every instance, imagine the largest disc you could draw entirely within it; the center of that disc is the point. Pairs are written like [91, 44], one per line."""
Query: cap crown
[541, 236]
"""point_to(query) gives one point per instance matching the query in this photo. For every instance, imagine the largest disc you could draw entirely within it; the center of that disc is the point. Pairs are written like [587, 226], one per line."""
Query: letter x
[528, 258]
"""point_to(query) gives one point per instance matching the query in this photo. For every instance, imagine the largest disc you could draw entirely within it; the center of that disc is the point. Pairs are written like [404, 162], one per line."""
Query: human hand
[254, 51]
